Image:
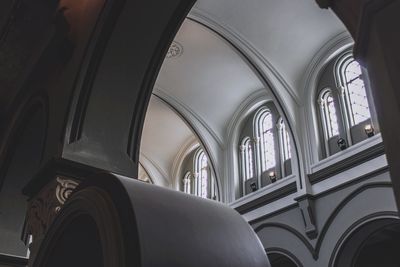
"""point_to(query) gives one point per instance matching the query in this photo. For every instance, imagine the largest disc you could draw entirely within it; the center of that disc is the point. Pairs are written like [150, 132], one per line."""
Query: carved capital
[64, 189]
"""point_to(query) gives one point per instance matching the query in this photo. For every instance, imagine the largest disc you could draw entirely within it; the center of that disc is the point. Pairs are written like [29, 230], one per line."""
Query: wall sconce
[272, 176]
[253, 186]
[369, 130]
[342, 144]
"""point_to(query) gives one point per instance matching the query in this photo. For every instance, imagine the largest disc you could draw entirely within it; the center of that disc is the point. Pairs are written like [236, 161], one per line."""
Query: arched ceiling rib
[164, 134]
[286, 33]
[210, 77]
[211, 80]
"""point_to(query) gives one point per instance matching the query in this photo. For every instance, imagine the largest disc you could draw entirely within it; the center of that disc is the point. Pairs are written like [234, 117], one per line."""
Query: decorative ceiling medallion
[175, 50]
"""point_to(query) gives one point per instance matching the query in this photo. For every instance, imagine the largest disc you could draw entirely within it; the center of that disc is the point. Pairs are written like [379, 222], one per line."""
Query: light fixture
[272, 176]
[342, 144]
[253, 186]
[369, 130]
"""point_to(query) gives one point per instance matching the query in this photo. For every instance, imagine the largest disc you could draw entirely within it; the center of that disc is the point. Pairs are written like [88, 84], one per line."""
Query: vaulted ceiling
[286, 33]
[210, 77]
[208, 73]
[163, 136]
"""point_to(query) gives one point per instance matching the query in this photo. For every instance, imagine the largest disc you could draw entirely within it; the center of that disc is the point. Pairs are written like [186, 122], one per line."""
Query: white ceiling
[164, 134]
[287, 33]
[211, 79]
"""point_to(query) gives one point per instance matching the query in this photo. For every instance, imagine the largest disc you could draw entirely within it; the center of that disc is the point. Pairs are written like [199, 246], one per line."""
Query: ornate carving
[43, 208]
[175, 50]
[64, 189]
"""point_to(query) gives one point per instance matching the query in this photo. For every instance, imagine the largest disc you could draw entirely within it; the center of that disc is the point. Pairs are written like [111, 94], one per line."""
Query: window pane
[285, 141]
[187, 183]
[328, 114]
[356, 96]
[202, 170]
[267, 141]
[249, 160]
[332, 117]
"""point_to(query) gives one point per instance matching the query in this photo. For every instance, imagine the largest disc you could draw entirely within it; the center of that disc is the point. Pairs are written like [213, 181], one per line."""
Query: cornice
[266, 199]
[347, 163]
[315, 249]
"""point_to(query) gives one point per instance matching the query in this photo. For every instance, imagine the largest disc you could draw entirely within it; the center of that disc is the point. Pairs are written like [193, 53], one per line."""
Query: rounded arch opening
[374, 243]
[96, 227]
[278, 259]
[338, 45]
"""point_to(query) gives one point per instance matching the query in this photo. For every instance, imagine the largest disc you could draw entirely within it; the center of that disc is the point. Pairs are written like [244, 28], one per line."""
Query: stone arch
[369, 232]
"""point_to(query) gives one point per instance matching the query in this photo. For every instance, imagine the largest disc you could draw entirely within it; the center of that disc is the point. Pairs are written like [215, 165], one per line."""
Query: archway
[374, 243]
[281, 260]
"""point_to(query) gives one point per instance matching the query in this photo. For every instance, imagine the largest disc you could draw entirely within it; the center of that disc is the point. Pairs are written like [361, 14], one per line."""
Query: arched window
[266, 134]
[345, 115]
[354, 91]
[328, 114]
[197, 176]
[247, 158]
[201, 170]
[187, 183]
[265, 149]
